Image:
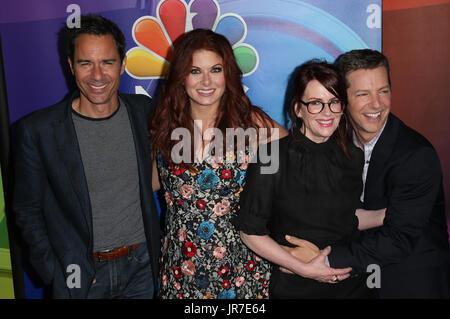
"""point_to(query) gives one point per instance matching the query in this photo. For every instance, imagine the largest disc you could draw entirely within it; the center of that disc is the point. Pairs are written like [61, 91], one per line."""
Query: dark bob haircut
[329, 76]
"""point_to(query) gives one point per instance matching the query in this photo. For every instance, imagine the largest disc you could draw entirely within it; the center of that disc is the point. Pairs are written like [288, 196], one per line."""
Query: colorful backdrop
[6, 281]
[270, 38]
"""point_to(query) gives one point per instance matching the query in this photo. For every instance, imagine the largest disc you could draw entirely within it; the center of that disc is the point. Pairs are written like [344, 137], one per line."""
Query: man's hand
[304, 251]
[309, 253]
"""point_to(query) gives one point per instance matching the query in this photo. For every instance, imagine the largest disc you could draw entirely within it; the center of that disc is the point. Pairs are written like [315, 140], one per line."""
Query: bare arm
[316, 269]
[155, 177]
[370, 218]
[277, 131]
[282, 132]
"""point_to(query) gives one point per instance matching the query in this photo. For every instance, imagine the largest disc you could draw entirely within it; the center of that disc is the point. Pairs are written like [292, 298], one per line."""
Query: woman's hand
[155, 177]
[317, 269]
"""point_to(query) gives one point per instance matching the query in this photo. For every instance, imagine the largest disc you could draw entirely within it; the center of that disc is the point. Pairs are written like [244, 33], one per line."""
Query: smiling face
[97, 69]
[369, 101]
[205, 83]
[317, 127]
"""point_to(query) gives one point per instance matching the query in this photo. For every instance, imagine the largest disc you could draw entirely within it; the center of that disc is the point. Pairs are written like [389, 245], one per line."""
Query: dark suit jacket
[412, 246]
[51, 199]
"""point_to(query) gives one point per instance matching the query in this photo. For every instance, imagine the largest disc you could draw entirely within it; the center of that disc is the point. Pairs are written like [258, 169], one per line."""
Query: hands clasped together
[316, 266]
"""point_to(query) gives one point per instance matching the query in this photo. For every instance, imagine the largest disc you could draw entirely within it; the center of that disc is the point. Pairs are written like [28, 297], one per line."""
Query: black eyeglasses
[316, 106]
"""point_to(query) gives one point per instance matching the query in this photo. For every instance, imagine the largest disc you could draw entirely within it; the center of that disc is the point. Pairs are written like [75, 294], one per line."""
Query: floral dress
[203, 256]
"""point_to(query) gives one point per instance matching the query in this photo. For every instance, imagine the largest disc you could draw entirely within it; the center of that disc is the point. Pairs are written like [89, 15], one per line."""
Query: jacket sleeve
[27, 203]
[412, 189]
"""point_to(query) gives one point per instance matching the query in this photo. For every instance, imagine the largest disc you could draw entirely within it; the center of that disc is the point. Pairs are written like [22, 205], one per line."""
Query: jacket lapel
[69, 152]
[138, 122]
[374, 187]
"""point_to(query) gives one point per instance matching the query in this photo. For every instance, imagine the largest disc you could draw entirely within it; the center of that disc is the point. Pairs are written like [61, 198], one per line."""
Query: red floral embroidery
[226, 284]
[205, 264]
[201, 204]
[189, 249]
[177, 272]
[177, 169]
[226, 173]
[250, 265]
[223, 271]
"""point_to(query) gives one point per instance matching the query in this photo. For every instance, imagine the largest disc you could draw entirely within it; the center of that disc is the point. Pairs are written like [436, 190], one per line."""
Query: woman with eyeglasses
[313, 195]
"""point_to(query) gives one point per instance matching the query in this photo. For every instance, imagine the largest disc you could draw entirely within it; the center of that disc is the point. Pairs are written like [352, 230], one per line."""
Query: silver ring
[335, 278]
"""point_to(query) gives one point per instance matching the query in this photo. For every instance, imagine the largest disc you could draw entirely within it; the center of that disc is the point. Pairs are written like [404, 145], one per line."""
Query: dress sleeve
[257, 196]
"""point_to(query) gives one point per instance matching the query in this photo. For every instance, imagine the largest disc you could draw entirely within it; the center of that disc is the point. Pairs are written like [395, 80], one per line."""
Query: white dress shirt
[367, 148]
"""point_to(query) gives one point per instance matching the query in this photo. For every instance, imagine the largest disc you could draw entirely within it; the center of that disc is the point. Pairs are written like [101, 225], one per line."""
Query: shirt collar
[370, 144]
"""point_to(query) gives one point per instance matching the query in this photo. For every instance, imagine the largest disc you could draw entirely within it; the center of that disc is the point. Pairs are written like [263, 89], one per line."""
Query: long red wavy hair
[173, 108]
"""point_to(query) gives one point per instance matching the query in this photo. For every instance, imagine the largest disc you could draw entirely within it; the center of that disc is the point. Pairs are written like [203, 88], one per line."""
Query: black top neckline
[300, 139]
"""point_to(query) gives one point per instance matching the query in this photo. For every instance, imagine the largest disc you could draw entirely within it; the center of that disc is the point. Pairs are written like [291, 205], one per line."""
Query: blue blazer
[412, 246]
[51, 199]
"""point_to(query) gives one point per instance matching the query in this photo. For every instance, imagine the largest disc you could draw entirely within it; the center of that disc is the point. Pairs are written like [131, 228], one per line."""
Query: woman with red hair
[202, 171]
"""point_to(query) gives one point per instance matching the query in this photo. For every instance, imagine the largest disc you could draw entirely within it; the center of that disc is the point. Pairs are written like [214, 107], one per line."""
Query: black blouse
[313, 195]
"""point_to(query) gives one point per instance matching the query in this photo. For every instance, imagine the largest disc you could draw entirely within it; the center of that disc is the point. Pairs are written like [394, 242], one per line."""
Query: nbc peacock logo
[154, 36]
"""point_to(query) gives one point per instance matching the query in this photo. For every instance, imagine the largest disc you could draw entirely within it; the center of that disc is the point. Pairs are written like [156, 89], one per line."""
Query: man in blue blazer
[83, 193]
[402, 173]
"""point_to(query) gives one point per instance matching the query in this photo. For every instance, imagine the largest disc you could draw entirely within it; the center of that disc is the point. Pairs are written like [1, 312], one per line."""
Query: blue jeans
[128, 277]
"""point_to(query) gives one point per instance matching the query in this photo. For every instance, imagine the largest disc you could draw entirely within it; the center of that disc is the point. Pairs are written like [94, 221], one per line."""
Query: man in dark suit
[402, 173]
[83, 196]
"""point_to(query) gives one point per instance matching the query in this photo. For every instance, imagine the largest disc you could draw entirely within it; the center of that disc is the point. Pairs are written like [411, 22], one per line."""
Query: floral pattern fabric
[203, 256]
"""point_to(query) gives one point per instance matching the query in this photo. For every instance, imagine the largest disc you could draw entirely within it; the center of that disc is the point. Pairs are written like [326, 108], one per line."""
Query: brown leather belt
[114, 253]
